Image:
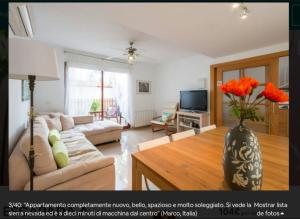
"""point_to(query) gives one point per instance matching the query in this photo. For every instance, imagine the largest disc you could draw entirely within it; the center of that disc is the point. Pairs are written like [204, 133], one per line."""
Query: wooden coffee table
[195, 163]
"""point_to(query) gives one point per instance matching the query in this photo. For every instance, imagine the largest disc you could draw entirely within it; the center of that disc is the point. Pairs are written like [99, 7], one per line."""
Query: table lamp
[31, 60]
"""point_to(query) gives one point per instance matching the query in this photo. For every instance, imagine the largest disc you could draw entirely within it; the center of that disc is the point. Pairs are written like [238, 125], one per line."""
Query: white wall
[49, 95]
[18, 110]
[143, 72]
[182, 74]
[141, 102]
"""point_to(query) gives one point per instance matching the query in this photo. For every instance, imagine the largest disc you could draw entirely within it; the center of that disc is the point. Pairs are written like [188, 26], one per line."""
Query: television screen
[193, 100]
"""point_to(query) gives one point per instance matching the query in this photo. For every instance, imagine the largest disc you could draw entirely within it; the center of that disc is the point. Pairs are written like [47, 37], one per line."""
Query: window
[84, 93]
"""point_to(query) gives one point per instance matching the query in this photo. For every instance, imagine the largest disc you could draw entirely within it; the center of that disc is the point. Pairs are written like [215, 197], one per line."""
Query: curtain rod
[91, 56]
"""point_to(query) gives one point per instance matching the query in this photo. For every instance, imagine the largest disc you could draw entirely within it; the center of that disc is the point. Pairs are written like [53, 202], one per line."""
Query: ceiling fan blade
[113, 57]
[147, 57]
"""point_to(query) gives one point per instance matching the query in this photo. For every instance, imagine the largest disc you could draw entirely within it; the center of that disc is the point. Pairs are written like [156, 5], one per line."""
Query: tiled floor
[122, 152]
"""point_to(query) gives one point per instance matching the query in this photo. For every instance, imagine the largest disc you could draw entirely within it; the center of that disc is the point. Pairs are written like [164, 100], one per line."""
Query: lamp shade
[28, 57]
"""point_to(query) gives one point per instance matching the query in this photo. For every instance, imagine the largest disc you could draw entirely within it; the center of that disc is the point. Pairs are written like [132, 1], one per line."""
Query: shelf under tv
[191, 120]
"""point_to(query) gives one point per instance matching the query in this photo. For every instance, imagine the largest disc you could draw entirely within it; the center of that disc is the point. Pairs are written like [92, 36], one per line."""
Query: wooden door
[279, 113]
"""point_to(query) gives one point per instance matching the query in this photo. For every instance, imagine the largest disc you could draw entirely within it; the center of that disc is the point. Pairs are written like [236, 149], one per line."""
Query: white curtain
[120, 92]
[82, 88]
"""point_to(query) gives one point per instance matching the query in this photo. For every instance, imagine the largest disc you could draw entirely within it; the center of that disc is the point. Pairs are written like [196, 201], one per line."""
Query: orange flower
[253, 82]
[229, 86]
[273, 94]
[240, 88]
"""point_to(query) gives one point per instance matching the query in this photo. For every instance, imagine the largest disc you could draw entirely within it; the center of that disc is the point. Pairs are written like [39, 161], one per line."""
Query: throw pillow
[43, 160]
[60, 154]
[166, 116]
[53, 136]
[67, 122]
[54, 115]
[54, 123]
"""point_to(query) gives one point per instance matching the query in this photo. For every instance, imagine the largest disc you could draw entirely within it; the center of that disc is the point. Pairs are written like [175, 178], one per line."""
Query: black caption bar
[150, 204]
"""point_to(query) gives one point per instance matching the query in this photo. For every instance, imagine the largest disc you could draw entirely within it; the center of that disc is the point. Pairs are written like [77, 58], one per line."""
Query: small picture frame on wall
[143, 87]
[25, 90]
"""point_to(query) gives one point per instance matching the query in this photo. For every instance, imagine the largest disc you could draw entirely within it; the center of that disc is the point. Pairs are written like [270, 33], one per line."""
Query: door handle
[273, 107]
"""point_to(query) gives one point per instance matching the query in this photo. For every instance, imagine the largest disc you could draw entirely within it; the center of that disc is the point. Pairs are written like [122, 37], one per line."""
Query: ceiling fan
[131, 53]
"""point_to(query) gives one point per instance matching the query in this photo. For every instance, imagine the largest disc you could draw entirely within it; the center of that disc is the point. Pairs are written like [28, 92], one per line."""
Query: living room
[176, 51]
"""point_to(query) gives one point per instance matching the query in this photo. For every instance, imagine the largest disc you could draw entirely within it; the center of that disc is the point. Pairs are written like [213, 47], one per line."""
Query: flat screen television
[193, 100]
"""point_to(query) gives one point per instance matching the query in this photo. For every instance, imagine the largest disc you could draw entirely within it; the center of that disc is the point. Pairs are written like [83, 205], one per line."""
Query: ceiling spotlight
[244, 12]
[236, 5]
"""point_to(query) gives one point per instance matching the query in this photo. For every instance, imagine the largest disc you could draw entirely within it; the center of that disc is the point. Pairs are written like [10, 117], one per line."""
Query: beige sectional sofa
[88, 169]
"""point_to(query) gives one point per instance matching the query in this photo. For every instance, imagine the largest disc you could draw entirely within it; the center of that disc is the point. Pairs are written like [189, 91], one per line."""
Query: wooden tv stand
[192, 120]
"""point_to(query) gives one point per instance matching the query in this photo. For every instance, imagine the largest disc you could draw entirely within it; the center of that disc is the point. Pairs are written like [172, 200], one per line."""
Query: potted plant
[242, 160]
[95, 106]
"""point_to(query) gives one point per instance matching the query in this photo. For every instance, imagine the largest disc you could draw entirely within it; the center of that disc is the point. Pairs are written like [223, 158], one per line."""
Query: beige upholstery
[97, 127]
[18, 168]
[97, 132]
[54, 123]
[76, 143]
[101, 179]
[44, 161]
[182, 135]
[207, 128]
[70, 172]
[104, 137]
[67, 122]
[83, 119]
[88, 168]
[55, 114]
[100, 132]
[153, 143]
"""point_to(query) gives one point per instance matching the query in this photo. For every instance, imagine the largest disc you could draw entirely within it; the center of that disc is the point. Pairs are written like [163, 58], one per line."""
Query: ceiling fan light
[236, 5]
[131, 58]
[244, 13]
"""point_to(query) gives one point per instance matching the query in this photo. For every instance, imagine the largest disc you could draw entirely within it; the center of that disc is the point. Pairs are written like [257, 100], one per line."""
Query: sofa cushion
[53, 136]
[43, 160]
[97, 127]
[76, 143]
[60, 154]
[54, 123]
[83, 119]
[55, 114]
[67, 122]
[86, 157]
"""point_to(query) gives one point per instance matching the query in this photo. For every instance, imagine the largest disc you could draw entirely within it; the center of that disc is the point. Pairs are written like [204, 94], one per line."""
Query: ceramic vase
[242, 160]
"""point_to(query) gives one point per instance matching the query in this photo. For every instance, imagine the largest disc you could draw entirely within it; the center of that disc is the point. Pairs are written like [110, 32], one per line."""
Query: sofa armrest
[69, 172]
[83, 119]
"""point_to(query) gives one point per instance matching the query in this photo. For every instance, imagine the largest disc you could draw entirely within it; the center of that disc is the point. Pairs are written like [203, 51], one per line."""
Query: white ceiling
[162, 31]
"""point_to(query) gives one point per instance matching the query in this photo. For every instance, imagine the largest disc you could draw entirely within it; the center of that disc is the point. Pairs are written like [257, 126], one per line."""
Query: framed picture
[143, 87]
[25, 90]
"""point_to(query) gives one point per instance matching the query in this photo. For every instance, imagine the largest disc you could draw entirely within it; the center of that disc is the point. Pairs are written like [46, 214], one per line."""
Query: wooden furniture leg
[136, 176]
